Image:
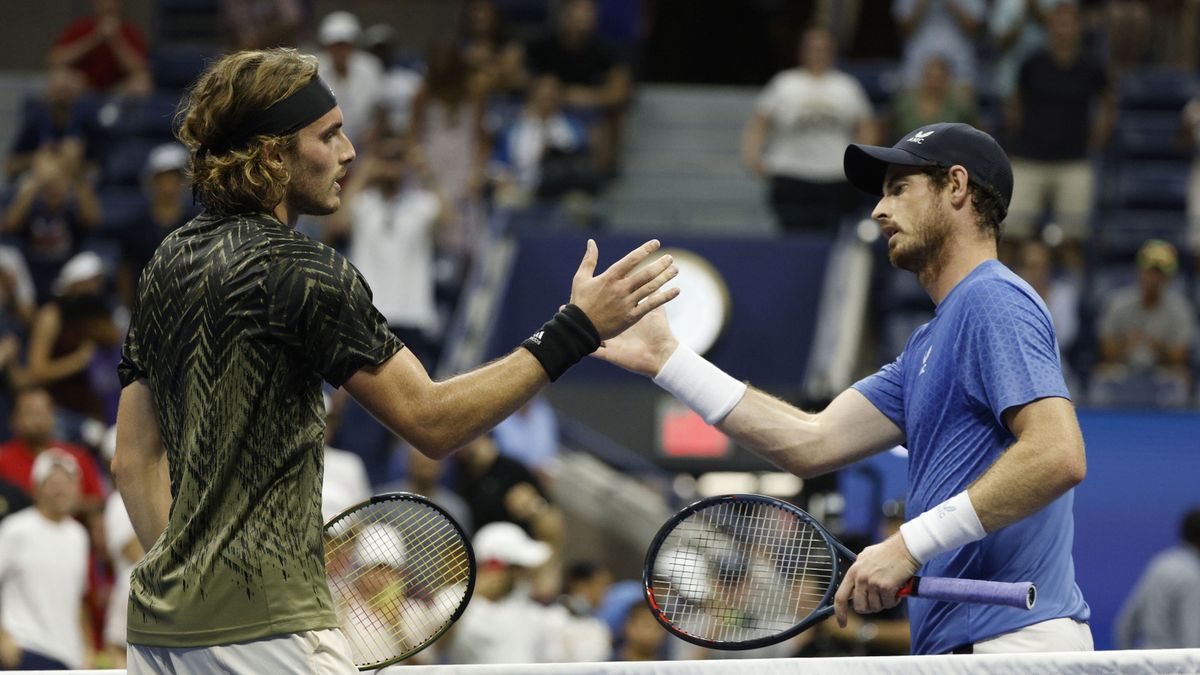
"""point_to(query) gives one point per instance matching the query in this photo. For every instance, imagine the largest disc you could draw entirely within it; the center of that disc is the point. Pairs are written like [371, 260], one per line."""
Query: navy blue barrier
[774, 288]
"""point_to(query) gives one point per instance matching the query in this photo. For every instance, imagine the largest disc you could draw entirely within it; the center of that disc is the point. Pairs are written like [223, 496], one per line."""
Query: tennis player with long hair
[238, 319]
[977, 396]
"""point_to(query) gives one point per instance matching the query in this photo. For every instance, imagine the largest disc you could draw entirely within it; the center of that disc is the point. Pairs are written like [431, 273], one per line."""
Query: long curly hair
[233, 89]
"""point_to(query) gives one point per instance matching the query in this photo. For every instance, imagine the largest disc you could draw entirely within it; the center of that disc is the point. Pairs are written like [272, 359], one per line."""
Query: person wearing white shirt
[392, 216]
[355, 77]
[503, 624]
[801, 125]
[43, 573]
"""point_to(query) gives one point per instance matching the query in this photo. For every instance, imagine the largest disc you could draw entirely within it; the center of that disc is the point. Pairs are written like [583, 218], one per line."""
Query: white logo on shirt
[920, 136]
[925, 361]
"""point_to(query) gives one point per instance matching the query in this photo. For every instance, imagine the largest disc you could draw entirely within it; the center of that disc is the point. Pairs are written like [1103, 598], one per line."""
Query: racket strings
[740, 571]
[398, 570]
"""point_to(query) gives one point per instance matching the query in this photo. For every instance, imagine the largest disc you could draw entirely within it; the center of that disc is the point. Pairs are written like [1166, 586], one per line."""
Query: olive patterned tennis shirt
[236, 322]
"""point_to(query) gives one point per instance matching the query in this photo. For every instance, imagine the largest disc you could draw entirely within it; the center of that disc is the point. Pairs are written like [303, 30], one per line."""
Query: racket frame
[471, 567]
[838, 555]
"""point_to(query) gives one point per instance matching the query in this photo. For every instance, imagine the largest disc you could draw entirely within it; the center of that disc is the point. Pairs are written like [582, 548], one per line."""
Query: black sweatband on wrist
[563, 341]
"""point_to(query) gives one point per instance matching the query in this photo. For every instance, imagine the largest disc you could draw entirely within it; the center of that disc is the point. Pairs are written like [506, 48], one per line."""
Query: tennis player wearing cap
[238, 319]
[977, 396]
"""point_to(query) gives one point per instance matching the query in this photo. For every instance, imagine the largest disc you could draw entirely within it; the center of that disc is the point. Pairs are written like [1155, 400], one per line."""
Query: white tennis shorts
[314, 652]
[1056, 635]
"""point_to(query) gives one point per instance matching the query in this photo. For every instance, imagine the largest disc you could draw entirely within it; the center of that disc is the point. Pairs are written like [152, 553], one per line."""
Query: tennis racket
[745, 571]
[401, 571]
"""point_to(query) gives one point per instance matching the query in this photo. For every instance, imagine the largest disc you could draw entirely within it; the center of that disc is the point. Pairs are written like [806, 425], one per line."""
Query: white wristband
[945, 527]
[700, 385]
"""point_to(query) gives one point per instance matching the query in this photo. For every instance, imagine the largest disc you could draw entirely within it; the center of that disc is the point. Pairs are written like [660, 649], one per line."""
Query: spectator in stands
[1163, 611]
[43, 574]
[423, 476]
[641, 638]
[530, 436]
[488, 50]
[801, 125]
[593, 77]
[1017, 29]
[49, 215]
[946, 27]
[1033, 261]
[543, 153]
[355, 76]
[400, 84]
[17, 299]
[447, 122]
[1149, 326]
[60, 123]
[70, 334]
[934, 99]
[392, 214]
[262, 24]
[107, 48]
[1054, 129]
[1190, 133]
[169, 205]
[503, 624]
[33, 434]
[497, 488]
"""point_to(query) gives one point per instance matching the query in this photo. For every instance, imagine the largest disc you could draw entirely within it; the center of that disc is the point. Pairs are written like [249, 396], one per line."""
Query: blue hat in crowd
[944, 144]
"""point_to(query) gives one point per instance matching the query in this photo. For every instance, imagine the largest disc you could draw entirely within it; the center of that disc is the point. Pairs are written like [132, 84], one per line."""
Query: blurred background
[495, 136]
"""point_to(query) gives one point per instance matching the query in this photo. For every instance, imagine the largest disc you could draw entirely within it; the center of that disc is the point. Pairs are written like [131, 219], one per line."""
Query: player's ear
[959, 186]
[271, 152]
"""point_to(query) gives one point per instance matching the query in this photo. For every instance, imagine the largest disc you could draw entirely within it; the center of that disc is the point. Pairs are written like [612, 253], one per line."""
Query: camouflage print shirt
[236, 322]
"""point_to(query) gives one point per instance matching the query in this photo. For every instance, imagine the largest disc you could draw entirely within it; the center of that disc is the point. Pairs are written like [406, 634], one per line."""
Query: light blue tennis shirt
[990, 347]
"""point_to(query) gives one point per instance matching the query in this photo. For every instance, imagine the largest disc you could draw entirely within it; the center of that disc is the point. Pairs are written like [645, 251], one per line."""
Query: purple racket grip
[1021, 595]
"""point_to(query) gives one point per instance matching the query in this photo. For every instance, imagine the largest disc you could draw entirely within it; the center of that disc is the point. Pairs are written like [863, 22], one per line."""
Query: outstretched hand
[617, 298]
[644, 348]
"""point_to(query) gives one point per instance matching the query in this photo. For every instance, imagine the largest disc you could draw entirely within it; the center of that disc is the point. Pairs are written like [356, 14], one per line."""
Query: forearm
[140, 465]
[47, 371]
[753, 139]
[437, 418]
[146, 490]
[65, 55]
[129, 57]
[776, 431]
[18, 210]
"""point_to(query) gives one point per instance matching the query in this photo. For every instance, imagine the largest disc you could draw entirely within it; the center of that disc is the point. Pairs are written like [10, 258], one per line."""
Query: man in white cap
[355, 76]
[43, 574]
[503, 624]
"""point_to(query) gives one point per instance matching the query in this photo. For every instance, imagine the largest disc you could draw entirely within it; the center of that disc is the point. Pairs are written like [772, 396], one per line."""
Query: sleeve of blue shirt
[885, 390]
[1009, 342]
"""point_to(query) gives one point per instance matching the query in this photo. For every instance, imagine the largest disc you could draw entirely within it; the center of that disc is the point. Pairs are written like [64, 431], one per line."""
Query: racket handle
[1021, 595]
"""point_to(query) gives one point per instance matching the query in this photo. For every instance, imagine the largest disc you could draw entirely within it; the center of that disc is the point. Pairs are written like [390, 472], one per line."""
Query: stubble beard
[925, 253]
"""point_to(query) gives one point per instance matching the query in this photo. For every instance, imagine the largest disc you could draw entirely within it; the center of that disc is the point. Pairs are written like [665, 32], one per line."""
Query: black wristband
[563, 341]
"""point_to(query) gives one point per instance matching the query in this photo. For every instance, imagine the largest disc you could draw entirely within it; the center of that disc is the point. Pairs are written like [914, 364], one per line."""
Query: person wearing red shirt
[33, 432]
[110, 51]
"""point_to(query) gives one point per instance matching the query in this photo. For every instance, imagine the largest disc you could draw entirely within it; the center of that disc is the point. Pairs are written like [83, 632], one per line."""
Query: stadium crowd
[505, 113]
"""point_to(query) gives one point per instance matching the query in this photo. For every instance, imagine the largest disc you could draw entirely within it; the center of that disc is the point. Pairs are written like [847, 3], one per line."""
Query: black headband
[293, 113]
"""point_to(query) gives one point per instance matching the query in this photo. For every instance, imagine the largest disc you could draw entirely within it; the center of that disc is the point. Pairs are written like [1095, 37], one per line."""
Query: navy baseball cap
[944, 144]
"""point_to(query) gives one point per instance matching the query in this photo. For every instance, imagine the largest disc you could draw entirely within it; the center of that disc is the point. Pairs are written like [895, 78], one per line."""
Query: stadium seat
[125, 159]
[1119, 233]
[119, 206]
[1149, 135]
[1145, 184]
[1155, 89]
[152, 117]
[879, 77]
[176, 66]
